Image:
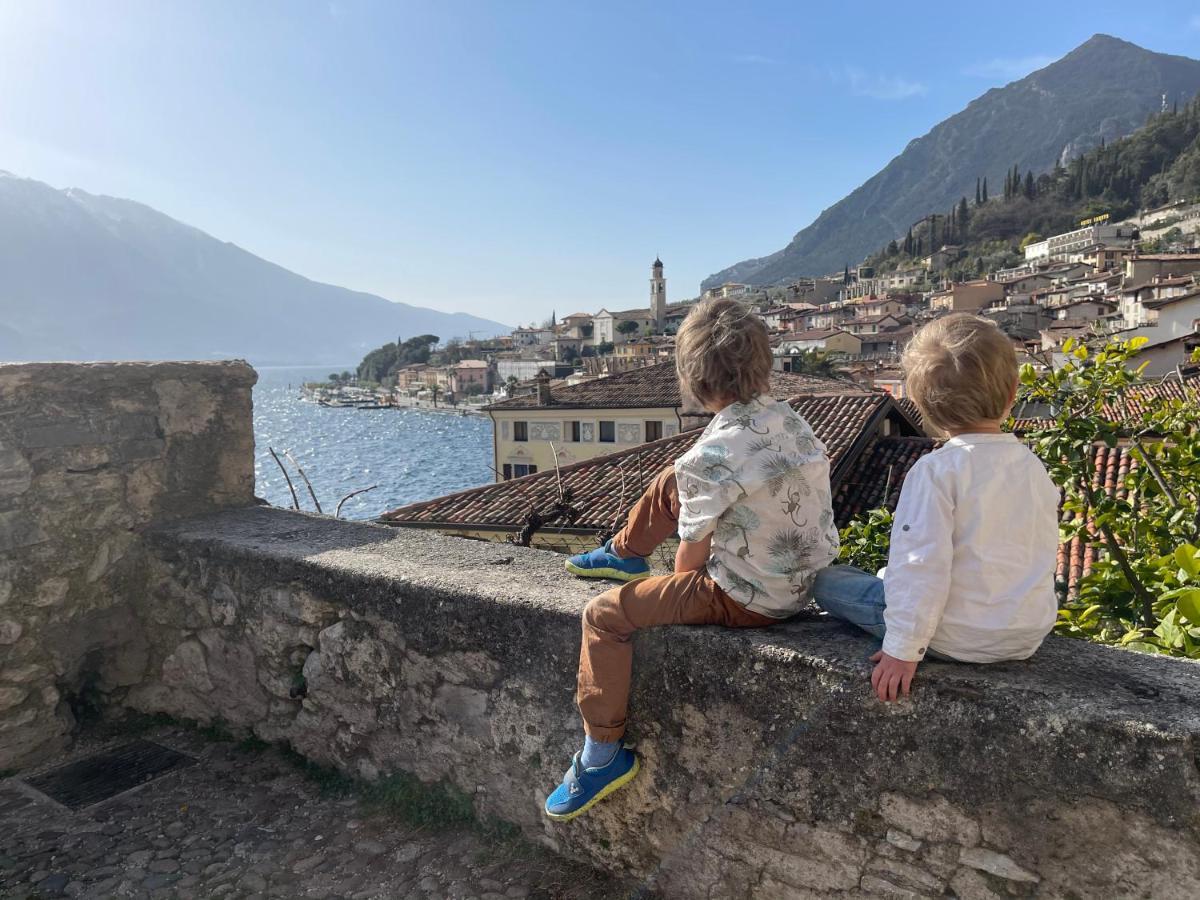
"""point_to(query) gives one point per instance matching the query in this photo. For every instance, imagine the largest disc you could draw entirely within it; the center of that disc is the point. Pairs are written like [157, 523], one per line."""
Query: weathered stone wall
[770, 771]
[90, 454]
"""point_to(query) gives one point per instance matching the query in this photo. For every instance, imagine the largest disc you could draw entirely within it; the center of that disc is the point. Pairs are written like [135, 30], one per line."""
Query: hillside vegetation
[1155, 165]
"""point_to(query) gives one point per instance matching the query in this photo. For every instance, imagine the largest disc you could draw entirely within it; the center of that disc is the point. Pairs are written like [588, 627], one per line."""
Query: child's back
[758, 481]
[981, 514]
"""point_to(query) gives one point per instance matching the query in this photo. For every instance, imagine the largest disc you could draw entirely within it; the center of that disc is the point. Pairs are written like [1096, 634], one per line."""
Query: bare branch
[337, 513]
[287, 478]
[307, 483]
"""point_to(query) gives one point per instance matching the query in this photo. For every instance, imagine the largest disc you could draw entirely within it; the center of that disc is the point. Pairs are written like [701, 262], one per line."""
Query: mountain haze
[1101, 90]
[92, 277]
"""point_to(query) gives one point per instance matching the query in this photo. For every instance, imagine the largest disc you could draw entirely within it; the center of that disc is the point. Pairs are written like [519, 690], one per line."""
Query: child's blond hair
[960, 370]
[723, 352]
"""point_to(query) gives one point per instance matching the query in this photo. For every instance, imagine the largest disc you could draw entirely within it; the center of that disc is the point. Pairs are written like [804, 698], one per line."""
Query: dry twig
[307, 483]
[337, 513]
[287, 478]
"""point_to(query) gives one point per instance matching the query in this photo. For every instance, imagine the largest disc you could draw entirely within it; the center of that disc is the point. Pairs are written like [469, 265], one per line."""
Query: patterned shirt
[757, 480]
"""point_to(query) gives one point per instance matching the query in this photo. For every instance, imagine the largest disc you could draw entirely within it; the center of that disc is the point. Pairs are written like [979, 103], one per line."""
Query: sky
[508, 159]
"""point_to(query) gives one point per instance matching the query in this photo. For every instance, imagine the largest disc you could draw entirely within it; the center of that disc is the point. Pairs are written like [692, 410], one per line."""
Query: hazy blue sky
[508, 158]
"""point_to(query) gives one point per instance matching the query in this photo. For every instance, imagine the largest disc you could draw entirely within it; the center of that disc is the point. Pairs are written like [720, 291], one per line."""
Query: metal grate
[104, 775]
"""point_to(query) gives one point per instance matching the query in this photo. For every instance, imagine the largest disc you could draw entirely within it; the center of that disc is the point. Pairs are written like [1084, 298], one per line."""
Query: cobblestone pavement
[247, 822]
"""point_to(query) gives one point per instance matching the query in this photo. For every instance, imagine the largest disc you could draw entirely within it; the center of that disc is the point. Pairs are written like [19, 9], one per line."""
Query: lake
[411, 454]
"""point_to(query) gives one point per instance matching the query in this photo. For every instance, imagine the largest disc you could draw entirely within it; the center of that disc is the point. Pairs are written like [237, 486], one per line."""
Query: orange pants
[609, 620]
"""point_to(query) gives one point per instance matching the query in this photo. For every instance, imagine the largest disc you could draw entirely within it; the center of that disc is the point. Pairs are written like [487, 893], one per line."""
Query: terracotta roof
[843, 422]
[875, 478]
[657, 386]
[1077, 556]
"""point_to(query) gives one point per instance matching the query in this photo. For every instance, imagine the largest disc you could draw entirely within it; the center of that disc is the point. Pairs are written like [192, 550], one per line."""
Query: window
[521, 469]
[608, 432]
[571, 432]
[520, 431]
[653, 430]
[507, 471]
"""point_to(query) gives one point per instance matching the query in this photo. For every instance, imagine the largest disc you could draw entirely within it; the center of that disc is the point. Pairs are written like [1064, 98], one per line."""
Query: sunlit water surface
[411, 454]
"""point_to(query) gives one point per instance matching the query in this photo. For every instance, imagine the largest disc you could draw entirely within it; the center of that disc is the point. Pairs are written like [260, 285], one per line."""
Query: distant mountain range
[1101, 90]
[86, 277]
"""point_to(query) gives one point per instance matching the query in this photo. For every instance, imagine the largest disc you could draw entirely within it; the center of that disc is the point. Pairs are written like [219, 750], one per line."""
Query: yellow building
[967, 296]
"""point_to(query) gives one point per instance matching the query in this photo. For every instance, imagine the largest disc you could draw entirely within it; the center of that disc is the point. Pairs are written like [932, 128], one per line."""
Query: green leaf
[1185, 558]
[1188, 604]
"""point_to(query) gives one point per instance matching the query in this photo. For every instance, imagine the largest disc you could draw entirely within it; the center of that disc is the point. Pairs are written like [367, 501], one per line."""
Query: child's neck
[986, 426]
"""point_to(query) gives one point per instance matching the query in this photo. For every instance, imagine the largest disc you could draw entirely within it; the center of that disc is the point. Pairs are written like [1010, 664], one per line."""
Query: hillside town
[1135, 278]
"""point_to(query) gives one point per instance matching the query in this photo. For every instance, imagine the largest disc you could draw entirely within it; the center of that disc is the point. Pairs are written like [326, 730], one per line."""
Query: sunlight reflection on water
[411, 454]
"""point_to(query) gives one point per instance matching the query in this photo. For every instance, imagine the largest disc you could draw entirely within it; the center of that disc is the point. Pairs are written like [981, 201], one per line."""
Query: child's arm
[917, 581]
[693, 555]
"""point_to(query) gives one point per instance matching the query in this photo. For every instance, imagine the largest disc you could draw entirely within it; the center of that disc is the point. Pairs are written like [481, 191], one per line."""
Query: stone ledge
[769, 768]
[390, 568]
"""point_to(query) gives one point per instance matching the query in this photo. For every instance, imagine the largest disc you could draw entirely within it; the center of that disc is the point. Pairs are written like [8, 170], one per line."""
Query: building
[1143, 268]
[967, 296]
[828, 340]
[658, 294]
[607, 326]
[940, 258]
[1062, 246]
[526, 368]
[885, 343]
[532, 337]
[866, 325]
[1172, 328]
[728, 289]
[470, 376]
[602, 415]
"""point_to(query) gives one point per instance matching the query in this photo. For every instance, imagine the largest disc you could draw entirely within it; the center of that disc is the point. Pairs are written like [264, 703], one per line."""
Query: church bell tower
[658, 295]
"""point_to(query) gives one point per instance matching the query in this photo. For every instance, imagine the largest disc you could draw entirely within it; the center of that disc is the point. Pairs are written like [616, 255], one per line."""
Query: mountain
[92, 277]
[1103, 89]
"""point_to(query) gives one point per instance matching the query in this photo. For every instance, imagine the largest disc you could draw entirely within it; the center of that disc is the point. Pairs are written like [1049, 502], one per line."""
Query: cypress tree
[908, 242]
[1030, 188]
[963, 214]
[977, 195]
[984, 195]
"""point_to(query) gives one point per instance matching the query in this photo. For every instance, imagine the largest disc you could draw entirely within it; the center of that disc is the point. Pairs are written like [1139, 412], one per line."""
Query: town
[1098, 281]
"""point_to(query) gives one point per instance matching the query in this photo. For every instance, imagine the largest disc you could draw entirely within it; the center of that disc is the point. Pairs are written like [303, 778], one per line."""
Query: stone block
[187, 668]
[10, 631]
[934, 819]
[52, 592]
[996, 864]
[11, 697]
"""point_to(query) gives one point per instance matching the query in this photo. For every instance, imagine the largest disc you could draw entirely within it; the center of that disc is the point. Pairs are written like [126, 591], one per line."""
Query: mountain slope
[93, 277]
[1103, 89]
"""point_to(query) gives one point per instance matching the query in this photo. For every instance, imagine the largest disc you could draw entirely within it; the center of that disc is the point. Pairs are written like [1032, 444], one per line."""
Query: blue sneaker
[581, 788]
[603, 563]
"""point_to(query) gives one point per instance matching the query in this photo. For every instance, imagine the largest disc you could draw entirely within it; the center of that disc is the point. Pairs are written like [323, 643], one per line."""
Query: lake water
[411, 454]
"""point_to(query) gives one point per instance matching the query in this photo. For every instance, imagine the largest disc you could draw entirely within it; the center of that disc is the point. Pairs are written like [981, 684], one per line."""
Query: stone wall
[769, 771]
[89, 455]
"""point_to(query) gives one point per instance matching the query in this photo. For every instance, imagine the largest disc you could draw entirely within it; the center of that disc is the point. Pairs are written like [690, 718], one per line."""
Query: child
[970, 576]
[751, 504]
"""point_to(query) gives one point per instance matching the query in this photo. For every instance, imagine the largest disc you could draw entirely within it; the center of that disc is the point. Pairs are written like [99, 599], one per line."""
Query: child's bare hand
[891, 677]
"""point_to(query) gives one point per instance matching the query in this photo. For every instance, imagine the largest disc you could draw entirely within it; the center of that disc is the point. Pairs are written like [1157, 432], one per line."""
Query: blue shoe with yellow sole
[581, 788]
[603, 563]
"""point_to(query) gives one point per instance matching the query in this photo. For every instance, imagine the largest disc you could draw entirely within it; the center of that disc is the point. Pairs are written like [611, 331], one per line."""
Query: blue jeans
[853, 596]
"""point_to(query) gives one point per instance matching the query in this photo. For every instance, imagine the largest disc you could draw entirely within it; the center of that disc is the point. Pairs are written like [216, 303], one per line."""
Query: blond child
[750, 502]
[970, 575]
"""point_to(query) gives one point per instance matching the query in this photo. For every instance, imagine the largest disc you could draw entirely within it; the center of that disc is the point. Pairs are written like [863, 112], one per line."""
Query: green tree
[1143, 592]
[628, 326]
[984, 194]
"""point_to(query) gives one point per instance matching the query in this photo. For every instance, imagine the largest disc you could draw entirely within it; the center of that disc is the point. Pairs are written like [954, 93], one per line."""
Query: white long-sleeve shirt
[974, 543]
